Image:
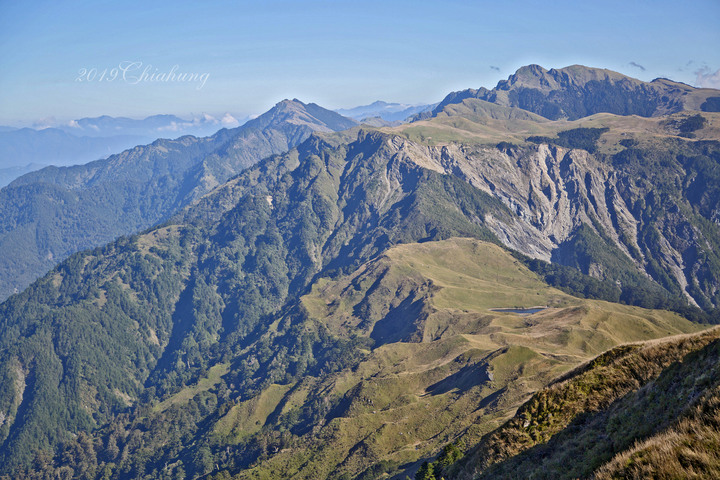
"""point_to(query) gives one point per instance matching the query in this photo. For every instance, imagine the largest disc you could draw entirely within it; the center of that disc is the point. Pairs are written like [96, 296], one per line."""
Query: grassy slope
[661, 393]
[477, 122]
[690, 448]
[449, 366]
[654, 164]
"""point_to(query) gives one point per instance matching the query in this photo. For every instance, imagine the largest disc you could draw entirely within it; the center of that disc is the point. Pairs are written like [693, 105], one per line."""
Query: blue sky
[334, 53]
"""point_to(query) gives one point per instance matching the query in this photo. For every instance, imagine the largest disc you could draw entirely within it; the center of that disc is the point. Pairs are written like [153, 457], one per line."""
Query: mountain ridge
[390, 112]
[577, 91]
[87, 205]
[88, 139]
[215, 291]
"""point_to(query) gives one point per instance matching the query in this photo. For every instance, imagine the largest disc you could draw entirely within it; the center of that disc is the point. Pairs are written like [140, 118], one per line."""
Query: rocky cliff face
[550, 189]
[561, 195]
[577, 91]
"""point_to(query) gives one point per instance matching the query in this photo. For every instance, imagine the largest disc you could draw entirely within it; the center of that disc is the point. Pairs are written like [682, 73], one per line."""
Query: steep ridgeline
[288, 326]
[52, 146]
[577, 91]
[88, 139]
[49, 214]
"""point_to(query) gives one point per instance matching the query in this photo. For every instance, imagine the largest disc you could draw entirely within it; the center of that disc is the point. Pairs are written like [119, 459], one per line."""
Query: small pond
[520, 311]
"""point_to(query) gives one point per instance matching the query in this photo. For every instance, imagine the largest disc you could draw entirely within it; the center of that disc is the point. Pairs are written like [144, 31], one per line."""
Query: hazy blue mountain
[391, 112]
[53, 146]
[87, 139]
[8, 174]
[156, 126]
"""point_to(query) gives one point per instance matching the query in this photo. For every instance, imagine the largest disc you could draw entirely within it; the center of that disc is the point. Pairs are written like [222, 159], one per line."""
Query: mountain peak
[577, 91]
[535, 76]
[288, 103]
[387, 111]
[310, 114]
[529, 71]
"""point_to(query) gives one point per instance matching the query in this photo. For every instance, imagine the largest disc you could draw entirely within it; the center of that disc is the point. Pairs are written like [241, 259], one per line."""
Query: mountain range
[150, 127]
[577, 91]
[80, 141]
[9, 174]
[51, 213]
[518, 279]
[390, 112]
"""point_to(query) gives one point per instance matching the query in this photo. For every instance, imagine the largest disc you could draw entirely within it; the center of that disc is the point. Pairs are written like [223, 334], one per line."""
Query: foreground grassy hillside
[646, 410]
[442, 363]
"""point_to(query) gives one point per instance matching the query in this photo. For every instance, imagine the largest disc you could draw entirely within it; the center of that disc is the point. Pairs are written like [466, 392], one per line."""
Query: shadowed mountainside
[51, 213]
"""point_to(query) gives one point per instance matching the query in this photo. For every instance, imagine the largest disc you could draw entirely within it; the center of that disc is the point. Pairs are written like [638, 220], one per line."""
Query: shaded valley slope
[51, 213]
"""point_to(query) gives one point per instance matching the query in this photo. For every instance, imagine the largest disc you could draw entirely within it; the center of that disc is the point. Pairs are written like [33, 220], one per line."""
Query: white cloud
[173, 127]
[43, 123]
[706, 79]
[229, 121]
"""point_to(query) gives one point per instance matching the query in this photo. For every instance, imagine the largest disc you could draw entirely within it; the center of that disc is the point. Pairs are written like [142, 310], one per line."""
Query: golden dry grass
[459, 367]
[540, 431]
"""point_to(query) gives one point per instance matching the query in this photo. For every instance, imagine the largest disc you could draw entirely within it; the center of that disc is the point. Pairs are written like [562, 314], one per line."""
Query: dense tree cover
[450, 454]
[77, 345]
[50, 214]
[580, 138]
[635, 290]
[144, 317]
[673, 189]
[692, 123]
[47, 215]
[206, 306]
[586, 249]
[685, 126]
[712, 104]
